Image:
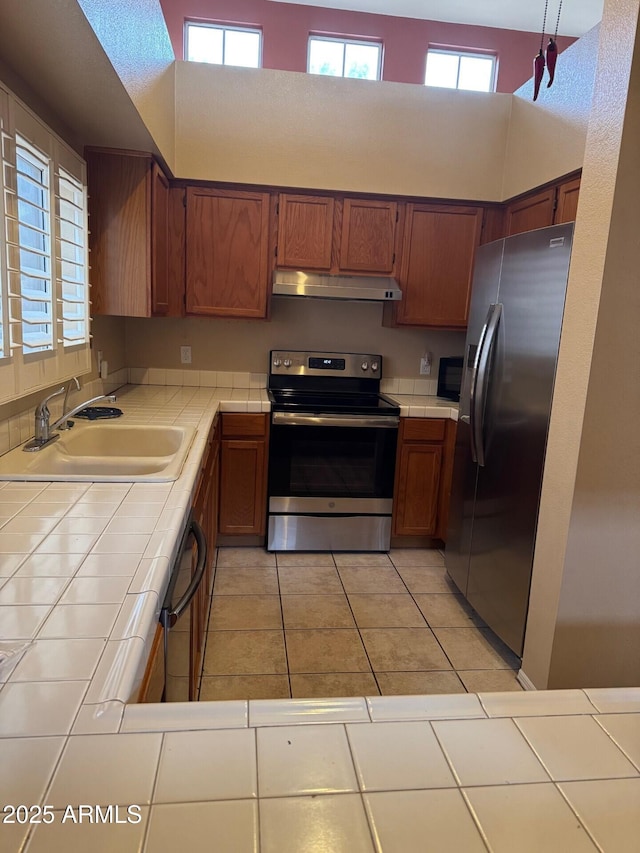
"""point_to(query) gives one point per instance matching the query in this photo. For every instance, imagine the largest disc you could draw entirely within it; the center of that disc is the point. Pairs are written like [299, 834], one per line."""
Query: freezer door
[532, 293]
[484, 292]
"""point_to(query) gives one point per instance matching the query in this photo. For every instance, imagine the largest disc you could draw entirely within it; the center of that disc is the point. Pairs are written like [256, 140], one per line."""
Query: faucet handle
[42, 406]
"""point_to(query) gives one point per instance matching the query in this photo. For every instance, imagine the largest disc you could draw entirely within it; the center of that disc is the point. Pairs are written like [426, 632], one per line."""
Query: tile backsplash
[222, 379]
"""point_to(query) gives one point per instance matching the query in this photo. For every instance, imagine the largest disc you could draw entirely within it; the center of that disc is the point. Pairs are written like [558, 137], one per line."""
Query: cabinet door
[242, 486]
[368, 236]
[159, 241]
[305, 232]
[227, 266]
[567, 205]
[437, 264]
[119, 232]
[417, 489]
[531, 212]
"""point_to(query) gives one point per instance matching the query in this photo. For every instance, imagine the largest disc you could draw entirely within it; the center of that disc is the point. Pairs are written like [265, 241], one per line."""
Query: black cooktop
[287, 400]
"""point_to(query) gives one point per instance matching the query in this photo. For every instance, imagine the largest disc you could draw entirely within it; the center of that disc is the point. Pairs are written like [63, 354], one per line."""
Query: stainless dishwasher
[176, 614]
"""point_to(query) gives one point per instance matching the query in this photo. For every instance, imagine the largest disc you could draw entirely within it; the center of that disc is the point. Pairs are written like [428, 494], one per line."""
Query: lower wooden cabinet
[152, 686]
[243, 474]
[423, 477]
[205, 510]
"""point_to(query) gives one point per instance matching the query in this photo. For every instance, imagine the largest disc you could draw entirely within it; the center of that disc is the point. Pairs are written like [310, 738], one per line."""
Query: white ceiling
[577, 17]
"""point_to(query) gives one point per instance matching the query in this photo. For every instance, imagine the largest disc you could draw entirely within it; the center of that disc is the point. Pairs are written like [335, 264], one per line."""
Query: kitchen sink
[105, 453]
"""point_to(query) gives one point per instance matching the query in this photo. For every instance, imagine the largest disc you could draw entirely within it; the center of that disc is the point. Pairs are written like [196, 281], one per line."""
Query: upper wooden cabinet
[327, 234]
[227, 252]
[305, 232]
[368, 240]
[567, 201]
[531, 212]
[437, 264]
[129, 234]
[551, 206]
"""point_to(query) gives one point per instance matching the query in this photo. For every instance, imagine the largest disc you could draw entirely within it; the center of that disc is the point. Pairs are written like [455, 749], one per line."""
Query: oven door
[331, 481]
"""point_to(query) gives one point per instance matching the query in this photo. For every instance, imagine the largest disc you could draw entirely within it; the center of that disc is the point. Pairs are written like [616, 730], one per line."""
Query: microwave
[450, 378]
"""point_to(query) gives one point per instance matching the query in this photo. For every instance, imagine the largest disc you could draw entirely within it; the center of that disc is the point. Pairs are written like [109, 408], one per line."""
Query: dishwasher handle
[174, 614]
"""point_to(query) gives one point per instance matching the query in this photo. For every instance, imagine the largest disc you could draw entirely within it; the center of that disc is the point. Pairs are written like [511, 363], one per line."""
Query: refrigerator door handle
[481, 380]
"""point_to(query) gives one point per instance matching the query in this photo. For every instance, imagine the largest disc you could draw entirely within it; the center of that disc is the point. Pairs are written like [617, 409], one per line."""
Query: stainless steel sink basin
[105, 453]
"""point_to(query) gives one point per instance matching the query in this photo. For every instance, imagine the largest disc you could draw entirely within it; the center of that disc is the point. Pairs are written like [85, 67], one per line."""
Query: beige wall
[52, 49]
[584, 614]
[291, 129]
[243, 345]
[546, 138]
[135, 38]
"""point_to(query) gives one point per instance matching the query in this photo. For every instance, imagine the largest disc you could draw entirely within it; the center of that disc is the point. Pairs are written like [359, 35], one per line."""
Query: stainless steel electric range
[332, 453]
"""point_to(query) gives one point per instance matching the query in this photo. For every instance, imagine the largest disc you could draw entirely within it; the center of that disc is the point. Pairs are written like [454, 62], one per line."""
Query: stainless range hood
[360, 288]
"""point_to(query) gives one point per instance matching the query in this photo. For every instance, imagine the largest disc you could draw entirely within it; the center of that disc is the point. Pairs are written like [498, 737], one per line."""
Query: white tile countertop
[83, 568]
[421, 406]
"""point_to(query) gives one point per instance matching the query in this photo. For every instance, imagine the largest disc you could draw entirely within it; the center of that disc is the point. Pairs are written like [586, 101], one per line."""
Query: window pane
[204, 44]
[361, 60]
[242, 48]
[442, 70]
[326, 57]
[72, 259]
[476, 73]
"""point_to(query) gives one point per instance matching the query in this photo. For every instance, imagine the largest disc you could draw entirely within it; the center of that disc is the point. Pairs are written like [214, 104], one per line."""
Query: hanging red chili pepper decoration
[538, 62]
[552, 55]
[538, 71]
[552, 50]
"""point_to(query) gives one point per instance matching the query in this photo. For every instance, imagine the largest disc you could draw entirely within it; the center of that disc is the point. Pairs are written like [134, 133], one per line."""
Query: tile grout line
[619, 746]
[361, 638]
[565, 797]
[284, 632]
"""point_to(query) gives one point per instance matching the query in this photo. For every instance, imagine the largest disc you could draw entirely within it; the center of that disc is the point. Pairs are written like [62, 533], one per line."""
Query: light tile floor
[307, 625]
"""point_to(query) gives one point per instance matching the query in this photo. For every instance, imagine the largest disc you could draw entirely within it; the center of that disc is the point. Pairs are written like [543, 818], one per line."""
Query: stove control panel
[325, 364]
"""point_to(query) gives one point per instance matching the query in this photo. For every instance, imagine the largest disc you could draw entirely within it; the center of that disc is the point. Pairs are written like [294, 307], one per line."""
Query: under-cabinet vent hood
[359, 288]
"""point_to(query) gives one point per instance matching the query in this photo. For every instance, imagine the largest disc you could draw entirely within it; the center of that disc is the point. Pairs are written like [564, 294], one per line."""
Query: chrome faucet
[43, 429]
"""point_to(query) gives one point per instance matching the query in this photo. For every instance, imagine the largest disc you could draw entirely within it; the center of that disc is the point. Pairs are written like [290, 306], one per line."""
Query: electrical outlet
[425, 366]
[185, 355]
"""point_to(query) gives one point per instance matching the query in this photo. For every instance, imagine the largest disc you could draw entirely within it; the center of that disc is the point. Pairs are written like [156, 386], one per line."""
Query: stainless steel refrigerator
[515, 319]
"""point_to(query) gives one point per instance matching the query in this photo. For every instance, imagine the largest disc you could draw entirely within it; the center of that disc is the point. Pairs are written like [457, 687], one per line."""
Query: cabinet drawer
[423, 429]
[243, 425]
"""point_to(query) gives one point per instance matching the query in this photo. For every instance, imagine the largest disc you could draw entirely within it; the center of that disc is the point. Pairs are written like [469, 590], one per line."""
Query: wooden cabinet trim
[159, 223]
[152, 686]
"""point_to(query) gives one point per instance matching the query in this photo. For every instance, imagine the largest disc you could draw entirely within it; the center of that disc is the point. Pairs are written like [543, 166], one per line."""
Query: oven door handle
[309, 419]
[198, 534]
